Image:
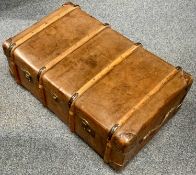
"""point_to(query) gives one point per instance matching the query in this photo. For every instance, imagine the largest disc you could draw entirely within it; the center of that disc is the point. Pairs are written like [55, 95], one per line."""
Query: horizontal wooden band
[13, 45]
[137, 106]
[56, 60]
[149, 95]
[91, 82]
[71, 49]
[107, 69]
[42, 27]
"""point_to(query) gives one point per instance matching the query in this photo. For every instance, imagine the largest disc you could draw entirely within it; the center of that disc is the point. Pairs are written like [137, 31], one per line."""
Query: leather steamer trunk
[110, 91]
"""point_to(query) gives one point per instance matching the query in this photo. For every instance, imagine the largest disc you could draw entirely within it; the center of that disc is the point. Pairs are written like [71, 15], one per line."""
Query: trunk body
[110, 91]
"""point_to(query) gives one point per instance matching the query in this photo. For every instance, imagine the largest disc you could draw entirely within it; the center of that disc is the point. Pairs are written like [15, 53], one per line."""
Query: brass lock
[54, 97]
[27, 75]
[86, 127]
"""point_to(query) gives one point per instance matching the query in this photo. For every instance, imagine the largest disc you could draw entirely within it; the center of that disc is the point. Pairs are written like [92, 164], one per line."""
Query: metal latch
[86, 127]
[27, 75]
[54, 97]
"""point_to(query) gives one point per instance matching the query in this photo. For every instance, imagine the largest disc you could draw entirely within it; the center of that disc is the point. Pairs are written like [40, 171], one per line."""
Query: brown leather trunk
[111, 92]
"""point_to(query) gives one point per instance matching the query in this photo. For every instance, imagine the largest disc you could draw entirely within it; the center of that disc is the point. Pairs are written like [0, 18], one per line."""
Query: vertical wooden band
[59, 58]
[14, 45]
[95, 79]
[124, 119]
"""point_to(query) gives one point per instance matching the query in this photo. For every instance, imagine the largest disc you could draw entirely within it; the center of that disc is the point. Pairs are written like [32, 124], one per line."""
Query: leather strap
[124, 119]
[96, 78]
[52, 63]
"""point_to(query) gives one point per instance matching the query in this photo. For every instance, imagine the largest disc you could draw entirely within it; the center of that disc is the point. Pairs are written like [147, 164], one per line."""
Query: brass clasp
[86, 127]
[54, 97]
[27, 75]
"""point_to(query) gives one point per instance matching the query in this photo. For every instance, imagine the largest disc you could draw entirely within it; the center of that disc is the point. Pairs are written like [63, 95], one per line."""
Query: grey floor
[34, 141]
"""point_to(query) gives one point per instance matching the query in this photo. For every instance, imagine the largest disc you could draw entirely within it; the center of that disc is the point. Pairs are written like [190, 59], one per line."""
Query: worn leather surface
[105, 103]
[133, 135]
[50, 42]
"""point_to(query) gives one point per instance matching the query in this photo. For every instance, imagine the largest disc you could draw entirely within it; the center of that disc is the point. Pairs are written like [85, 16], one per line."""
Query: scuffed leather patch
[125, 142]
